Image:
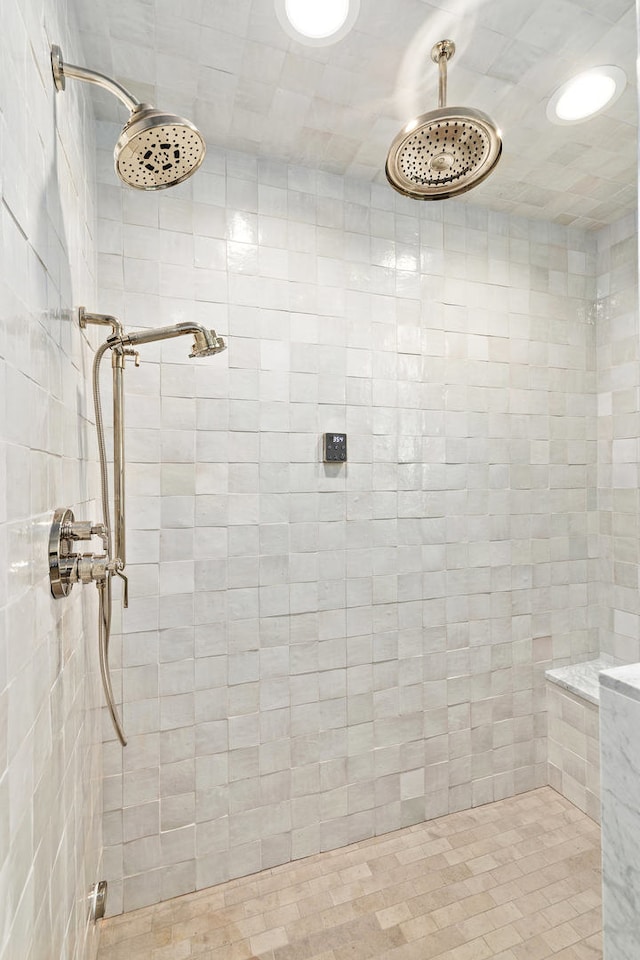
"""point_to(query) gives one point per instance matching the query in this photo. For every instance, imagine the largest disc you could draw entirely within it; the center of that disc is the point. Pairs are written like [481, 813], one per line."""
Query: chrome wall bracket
[66, 566]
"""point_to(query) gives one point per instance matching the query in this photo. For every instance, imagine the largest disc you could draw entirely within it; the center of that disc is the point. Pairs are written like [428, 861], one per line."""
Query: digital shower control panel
[335, 447]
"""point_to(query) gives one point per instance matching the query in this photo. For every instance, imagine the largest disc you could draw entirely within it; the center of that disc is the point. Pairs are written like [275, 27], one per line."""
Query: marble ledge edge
[624, 680]
[582, 679]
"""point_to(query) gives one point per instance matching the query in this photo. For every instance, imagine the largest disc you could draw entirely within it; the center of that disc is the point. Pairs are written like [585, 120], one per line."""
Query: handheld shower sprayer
[155, 149]
[66, 566]
[206, 343]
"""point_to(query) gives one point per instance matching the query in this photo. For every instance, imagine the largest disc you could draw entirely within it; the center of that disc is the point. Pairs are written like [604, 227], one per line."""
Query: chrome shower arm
[62, 70]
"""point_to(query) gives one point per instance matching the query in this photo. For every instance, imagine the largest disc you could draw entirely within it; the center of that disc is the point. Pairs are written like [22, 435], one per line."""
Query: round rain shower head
[157, 150]
[443, 153]
[446, 151]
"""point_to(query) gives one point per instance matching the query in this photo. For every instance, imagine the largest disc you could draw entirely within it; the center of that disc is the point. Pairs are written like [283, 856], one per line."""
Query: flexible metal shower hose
[104, 587]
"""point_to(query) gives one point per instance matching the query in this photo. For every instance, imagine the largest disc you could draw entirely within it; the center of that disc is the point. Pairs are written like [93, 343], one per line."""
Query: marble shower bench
[620, 753]
[573, 757]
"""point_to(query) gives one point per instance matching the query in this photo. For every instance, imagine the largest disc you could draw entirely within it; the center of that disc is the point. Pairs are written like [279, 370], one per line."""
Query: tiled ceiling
[230, 67]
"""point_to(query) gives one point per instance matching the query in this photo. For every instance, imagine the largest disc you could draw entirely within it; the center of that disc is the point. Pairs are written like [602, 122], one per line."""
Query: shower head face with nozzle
[446, 151]
[206, 343]
[443, 153]
[157, 150]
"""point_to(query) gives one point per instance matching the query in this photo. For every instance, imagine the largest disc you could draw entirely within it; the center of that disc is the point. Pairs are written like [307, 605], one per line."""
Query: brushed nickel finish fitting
[446, 151]
[62, 70]
[155, 149]
[67, 566]
[441, 53]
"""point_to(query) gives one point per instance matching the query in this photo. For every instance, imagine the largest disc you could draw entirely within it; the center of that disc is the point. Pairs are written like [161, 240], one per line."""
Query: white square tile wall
[618, 610]
[315, 654]
[312, 654]
[574, 749]
[50, 766]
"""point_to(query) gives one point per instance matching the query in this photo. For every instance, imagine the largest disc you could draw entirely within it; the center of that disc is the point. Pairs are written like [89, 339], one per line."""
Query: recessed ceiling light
[586, 95]
[317, 22]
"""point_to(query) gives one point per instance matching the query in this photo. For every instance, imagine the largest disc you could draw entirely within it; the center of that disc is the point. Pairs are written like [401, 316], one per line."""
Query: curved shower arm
[62, 70]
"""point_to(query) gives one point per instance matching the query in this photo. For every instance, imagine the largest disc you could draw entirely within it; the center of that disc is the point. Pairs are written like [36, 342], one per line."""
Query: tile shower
[317, 654]
[312, 655]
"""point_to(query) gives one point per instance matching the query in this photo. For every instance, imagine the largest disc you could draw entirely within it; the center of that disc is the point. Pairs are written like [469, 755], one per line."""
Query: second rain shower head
[446, 151]
[155, 149]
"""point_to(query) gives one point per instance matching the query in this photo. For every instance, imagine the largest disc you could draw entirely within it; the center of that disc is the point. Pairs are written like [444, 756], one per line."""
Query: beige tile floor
[518, 879]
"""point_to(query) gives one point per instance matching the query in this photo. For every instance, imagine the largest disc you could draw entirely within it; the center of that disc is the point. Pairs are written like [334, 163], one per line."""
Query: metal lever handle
[125, 587]
[132, 353]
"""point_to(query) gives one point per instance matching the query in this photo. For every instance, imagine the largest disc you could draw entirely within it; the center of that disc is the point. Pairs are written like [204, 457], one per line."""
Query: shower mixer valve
[66, 566]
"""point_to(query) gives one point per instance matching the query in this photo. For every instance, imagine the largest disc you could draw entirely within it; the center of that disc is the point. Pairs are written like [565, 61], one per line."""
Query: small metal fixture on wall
[67, 567]
[98, 901]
